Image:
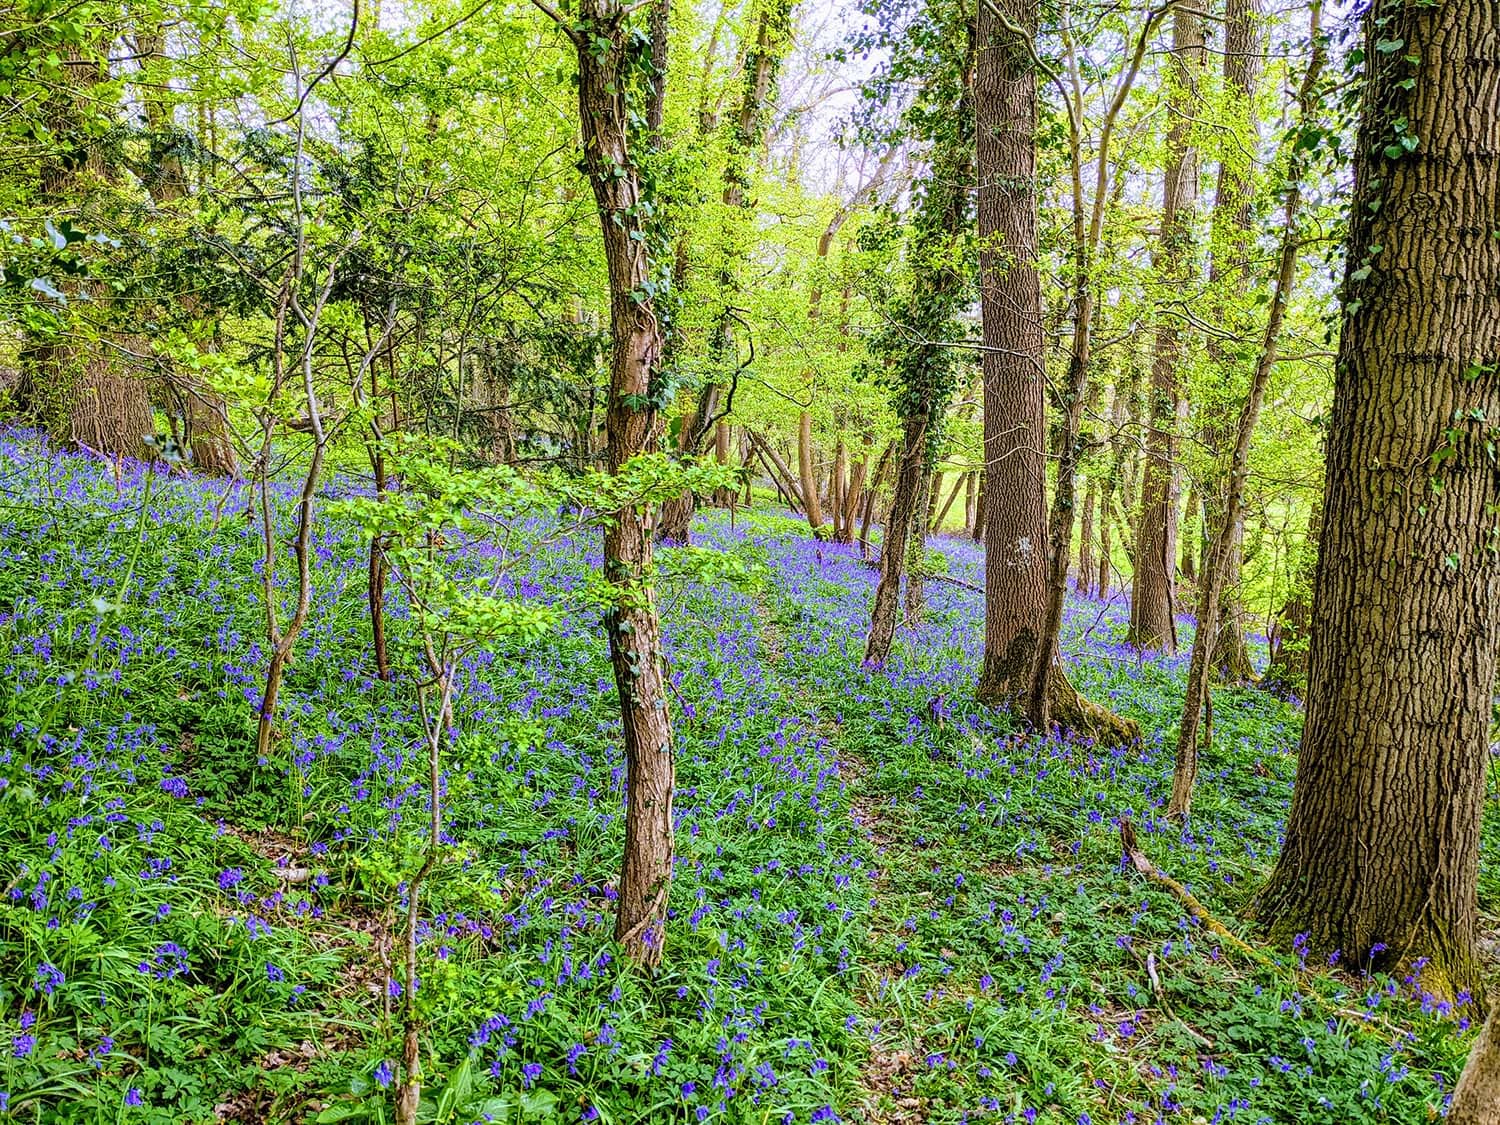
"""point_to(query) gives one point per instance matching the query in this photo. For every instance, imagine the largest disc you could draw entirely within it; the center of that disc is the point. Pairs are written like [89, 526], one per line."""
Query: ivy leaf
[46, 288]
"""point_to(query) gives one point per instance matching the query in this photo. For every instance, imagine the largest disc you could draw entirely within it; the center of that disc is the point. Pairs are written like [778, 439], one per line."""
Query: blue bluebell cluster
[889, 903]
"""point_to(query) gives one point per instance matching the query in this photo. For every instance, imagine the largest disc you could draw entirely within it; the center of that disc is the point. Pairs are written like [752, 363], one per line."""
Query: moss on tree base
[1082, 716]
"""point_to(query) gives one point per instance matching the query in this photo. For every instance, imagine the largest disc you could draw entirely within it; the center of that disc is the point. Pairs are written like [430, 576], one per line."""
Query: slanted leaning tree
[1381, 855]
[1304, 139]
[1153, 595]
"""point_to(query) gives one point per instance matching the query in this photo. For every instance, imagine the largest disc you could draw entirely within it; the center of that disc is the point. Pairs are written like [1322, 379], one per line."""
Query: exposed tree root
[1073, 712]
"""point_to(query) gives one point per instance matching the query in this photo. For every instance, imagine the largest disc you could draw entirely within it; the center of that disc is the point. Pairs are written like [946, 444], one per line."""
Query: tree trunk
[1086, 574]
[1194, 537]
[932, 488]
[1015, 533]
[1217, 558]
[67, 385]
[836, 489]
[872, 496]
[1101, 586]
[852, 497]
[109, 410]
[1476, 1098]
[1115, 479]
[971, 501]
[723, 439]
[781, 473]
[1381, 854]
[1286, 673]
[893, 550]
[976, 530]
[959, 482]
[809, 476]
[631, 425]
[1231, 652]
[1028, 548]
[916, 547]
[1151, 604]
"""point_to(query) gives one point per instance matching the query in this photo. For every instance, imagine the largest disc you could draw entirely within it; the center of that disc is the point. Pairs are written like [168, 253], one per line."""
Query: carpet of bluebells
[889, 905]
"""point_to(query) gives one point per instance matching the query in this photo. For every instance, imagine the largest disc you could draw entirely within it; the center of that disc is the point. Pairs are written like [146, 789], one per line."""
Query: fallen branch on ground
[1143, 865]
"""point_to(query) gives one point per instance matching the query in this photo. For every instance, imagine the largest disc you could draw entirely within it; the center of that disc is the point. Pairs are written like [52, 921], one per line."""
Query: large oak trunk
[1476, 1097]
[1015, 518]
[1382, 842]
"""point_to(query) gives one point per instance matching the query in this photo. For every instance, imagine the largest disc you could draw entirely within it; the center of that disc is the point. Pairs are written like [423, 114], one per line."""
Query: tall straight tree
[601, 34]
[1382, 842]
[1013, 363]
[1152, 595]
[1049, 694]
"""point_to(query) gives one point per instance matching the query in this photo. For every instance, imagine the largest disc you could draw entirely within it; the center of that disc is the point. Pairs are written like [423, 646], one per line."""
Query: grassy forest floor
[889, 906]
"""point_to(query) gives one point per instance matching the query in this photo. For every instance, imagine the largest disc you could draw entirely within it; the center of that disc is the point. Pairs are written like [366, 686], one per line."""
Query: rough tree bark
[1151, 604]
[1046, 692]
[916, 545]
[1381, 855]
[1015, 455]
[893, 550]
[1476, 1098]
